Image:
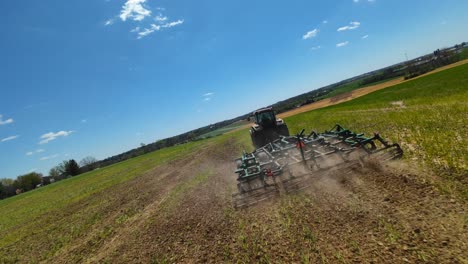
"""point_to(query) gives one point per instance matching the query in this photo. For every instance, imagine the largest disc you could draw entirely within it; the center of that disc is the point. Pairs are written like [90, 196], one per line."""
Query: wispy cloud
[9, 138]
[145, 32]
[352, 25]
[357, 1]
[325, 22]
[4, 122]
[109, 22]
[315, 48]
[342, 44]
[173, 24]
[134, 10]
[160, 18]
[49, 157]
[30, 153]
[365, 36]
[310, 34]
[46, 138]
[154, 27]
[84, 120]
[207, 96]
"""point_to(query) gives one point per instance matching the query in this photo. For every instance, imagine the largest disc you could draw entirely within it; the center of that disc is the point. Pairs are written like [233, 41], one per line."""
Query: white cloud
[84, 120]
[134, 9]
[315, 48]
[310, 34]
[342, 44]
[352, 25]
[357, 1]
[325, 21]
[109, 22]
[148, 31]
[365, 36]
[208, 96]
[30, 153]
[4, 122]
[9, 138]
[49, 157]
[173, 24]
[46, 138]
[160, 18]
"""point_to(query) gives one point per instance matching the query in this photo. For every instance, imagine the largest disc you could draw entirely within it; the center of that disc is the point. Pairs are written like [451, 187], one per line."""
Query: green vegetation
[428, 116]
[223, 130]
[349, 87]
[18, 211]
[464, 54]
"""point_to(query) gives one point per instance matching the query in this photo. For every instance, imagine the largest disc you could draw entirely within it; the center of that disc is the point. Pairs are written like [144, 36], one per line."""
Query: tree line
[33, 180]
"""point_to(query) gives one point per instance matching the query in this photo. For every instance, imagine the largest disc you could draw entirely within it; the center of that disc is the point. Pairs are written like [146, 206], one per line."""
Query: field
[220, 131]
[174, 205]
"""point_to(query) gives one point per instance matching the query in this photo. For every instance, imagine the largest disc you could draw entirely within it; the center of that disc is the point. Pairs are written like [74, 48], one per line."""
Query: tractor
[282, 164]
[267, 127]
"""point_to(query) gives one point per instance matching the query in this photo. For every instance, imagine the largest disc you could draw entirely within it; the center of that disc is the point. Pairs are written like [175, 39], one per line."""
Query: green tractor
[267, 128]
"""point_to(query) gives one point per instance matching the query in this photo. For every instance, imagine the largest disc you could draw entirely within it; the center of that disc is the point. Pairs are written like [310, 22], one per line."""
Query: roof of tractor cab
[262, 110]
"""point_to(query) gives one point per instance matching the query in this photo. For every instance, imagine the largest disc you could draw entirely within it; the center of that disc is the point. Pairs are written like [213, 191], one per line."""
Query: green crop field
[19, 212]
[349, 87]
[223, 130]
[427, 116]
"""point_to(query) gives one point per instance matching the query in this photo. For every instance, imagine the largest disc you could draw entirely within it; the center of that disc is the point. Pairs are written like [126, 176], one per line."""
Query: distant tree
[72, 168]
[55, 172]
[7, 188]
[28, 181]
[7, 182]
[88, 161]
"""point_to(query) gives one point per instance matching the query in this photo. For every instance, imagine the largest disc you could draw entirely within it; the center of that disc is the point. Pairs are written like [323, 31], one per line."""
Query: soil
[376, 213]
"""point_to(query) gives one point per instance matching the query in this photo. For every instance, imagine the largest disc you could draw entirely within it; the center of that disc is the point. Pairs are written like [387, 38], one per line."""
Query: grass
[464, 54]
[428, 116]
[221, 131]
[19, 211]
[349, 87]
[176, 194]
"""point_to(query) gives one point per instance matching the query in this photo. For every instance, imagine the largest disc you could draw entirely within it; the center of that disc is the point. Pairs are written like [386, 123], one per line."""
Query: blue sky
[99, 77]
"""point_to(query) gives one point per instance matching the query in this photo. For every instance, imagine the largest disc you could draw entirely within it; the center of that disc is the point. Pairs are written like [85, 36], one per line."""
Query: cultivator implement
[291, 163]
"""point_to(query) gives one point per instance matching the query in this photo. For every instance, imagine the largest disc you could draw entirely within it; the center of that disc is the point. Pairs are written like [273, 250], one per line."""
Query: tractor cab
[265, 117]
[267, 127]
